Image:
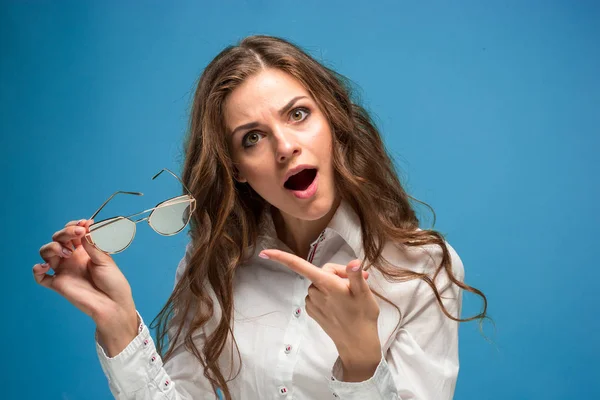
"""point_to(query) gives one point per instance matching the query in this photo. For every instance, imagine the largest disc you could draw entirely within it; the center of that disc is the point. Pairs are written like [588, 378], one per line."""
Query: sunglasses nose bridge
[141, 219]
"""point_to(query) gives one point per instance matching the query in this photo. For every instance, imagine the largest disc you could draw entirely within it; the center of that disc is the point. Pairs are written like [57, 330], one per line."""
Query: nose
[286, 146]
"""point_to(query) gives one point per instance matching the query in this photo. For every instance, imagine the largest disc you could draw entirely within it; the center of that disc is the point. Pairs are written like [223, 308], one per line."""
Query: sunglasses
[115, 234]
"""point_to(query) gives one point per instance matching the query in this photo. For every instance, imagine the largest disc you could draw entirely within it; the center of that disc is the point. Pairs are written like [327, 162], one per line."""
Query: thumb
[98, 257]
[358, 284]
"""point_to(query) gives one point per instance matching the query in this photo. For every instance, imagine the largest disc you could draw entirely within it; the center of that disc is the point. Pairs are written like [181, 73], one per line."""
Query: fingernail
[263, 255]
[66, 251]
[79, 230]
[81, 221]
[356, 268]
[44, 265]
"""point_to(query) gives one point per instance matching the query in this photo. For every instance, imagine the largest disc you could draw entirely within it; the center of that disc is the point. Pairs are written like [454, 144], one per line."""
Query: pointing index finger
[296, 264]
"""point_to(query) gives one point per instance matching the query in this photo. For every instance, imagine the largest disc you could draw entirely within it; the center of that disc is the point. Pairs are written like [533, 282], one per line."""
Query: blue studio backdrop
[490, 109]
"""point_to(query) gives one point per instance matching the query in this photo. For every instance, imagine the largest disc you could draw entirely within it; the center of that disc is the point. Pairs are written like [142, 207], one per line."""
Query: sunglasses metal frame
[169, 202]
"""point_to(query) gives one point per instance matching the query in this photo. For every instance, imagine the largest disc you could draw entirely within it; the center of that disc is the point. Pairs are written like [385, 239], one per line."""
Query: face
[276, 132]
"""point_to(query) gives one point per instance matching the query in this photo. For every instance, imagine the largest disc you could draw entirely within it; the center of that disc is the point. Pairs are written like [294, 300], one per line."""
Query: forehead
[264, 92]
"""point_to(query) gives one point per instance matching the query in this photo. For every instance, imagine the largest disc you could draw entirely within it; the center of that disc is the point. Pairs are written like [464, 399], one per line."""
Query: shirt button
[297, 312]
[288, 349]
[283, 391]
[335, 395]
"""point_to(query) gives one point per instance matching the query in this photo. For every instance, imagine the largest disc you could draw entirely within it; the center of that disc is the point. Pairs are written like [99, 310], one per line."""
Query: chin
[312, 211]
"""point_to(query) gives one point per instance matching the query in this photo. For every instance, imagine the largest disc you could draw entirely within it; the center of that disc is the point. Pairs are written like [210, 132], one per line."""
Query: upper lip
[295, 170]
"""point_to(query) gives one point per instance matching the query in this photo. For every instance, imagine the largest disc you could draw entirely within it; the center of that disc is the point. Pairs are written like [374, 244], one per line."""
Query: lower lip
[309, 191]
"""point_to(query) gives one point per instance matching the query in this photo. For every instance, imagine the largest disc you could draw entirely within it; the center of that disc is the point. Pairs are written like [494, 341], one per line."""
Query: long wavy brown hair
[226, 222]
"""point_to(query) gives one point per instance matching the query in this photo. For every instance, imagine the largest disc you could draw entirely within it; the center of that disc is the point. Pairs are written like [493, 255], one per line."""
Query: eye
[251, 138]
[299, 114]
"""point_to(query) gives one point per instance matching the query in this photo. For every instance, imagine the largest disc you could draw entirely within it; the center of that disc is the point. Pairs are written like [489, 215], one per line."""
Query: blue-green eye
[251, 138]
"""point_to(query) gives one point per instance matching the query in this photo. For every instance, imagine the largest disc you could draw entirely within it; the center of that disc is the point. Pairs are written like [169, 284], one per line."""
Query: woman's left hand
[341, 302]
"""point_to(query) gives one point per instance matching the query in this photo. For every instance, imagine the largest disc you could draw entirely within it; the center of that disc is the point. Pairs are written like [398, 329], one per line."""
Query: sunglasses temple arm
[109, 199]
[176, 177]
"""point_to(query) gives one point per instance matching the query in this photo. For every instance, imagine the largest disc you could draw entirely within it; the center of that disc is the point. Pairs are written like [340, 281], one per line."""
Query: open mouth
[302, 180]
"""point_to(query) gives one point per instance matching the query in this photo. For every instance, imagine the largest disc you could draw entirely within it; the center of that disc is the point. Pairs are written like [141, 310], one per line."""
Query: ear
[238, 176]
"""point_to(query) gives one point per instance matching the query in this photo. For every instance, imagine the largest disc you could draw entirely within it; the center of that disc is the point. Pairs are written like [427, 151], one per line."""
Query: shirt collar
[345, 223]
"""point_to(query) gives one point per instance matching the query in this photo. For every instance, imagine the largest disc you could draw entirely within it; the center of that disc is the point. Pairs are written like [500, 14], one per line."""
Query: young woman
[306, 275]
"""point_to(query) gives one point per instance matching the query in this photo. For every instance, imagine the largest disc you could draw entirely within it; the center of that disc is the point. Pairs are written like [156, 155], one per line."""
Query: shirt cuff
[135, 366]
[380, 386]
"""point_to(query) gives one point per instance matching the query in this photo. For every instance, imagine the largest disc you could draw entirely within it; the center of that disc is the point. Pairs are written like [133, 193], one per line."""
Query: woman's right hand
[90, 280]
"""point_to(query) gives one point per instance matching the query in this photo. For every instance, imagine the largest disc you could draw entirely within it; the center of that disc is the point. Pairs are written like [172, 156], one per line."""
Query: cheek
[255, 169]
[321, 141]
[248, 164]
[262, 179]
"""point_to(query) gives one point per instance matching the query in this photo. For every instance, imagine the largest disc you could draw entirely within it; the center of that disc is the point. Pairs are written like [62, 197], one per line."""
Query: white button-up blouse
[286, 355]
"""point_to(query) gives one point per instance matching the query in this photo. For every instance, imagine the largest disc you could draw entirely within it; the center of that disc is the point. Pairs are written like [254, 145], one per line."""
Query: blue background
[491, 110]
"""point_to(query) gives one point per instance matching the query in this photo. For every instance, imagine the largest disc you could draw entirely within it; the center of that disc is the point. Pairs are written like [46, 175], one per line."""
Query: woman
[306, 275]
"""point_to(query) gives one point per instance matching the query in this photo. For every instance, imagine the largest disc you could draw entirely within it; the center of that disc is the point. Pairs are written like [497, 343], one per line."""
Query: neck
[297, 233]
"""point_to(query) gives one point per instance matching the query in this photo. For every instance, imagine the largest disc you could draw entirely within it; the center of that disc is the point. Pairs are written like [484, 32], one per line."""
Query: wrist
[114, 337]
[362, 345]
[114, 316]
[360, 361]
[360, 370]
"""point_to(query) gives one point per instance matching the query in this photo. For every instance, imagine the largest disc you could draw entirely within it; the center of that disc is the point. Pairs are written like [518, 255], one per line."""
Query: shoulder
[436, 255]
[423, 259]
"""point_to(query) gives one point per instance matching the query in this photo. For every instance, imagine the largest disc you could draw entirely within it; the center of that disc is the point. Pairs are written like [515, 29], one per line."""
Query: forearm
[137, 373]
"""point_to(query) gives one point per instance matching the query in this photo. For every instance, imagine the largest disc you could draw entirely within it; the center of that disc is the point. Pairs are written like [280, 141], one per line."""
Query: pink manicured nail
[263, 255]
[356, 268]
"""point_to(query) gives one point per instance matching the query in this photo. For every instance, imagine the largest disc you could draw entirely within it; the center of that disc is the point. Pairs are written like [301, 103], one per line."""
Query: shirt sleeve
[138, 372]
[422, 361]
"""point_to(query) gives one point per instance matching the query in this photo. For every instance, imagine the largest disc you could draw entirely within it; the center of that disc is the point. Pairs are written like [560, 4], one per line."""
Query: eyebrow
[283, 110]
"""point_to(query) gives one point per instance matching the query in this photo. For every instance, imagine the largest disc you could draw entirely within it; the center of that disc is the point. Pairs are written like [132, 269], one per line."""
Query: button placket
[315, 246]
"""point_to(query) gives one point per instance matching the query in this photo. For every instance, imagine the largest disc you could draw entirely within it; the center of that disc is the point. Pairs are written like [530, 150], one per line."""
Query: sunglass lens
[171, 216]
[113, 235]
